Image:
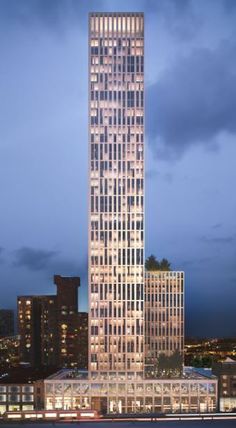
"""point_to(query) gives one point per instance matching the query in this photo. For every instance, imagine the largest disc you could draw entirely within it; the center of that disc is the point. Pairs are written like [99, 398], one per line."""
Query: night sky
[190, 70]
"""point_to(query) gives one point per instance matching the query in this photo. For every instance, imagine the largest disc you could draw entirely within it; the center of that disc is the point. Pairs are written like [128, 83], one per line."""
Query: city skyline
[44, 153]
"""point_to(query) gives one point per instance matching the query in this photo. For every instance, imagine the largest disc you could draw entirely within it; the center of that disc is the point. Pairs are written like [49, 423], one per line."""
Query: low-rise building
[22, 389]
[192, 393]
[226, 373]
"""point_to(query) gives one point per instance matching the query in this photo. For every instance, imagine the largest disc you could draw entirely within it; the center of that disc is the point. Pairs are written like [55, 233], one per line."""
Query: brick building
[226, 373]
[52, 332]
[22, 389]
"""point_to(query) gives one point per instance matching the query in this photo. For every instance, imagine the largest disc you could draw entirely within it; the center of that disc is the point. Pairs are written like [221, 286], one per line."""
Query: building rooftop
[188, 373]
[69, 374]
[199, 372]
[229, 360]
[116, 13]
[36, 296]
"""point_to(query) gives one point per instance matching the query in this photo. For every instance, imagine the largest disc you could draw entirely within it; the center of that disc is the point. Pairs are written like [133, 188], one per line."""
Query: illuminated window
[110, 23]
[128, 24]
[105, 24]
[64, 326]
[92, 24]
[132, 24]
[119, 23]
[96, 24]
[124, 23]
[101, 23]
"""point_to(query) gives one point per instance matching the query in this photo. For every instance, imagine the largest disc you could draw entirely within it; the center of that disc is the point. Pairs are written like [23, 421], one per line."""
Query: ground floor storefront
[148, 396]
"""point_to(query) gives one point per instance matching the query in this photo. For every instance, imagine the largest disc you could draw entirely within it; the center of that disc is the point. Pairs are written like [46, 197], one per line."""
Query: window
[28, 388]
[28, 397]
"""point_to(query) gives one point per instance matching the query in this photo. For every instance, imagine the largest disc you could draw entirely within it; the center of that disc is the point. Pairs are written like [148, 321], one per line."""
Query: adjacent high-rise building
[52, 331]
[164, 315]
[116, 217]
[37, 330]
[67, 320]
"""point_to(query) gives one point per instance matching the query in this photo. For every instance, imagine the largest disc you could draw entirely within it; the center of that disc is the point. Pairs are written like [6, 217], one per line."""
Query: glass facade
[169, 396]
[164, 314]
[116, 204]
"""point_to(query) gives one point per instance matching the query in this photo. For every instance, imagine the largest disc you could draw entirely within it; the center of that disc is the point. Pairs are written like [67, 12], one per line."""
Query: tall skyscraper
[116, 381]
[116, 218]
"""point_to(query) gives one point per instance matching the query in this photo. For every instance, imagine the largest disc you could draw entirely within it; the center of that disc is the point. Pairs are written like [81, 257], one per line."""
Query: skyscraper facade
[164, 315]
[116, 218]
[116, 381]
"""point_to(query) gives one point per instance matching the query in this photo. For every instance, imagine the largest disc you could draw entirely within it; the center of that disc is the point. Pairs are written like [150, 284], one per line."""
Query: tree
[163, 365]
[176, 363]
[165, 265]
[201, 361]
[169, 366]
[152, 263]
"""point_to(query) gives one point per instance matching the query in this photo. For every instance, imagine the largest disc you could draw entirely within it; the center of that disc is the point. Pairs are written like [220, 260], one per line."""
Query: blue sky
[190, 72]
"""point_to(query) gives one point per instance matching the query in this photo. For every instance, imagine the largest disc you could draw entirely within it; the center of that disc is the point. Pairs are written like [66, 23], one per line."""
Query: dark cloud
[50, 262]
[193, 101]
[178, 5]
[151, 173]
[34, 259]
[28, 12]
[196, 261]
[230, 5]
[50, 14]
[178, 16]
[218, 240]
[217, 226]
[58, 14]
[1, 253]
